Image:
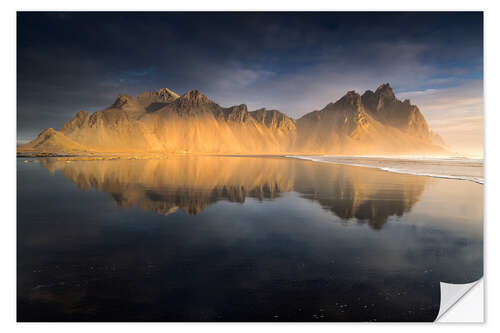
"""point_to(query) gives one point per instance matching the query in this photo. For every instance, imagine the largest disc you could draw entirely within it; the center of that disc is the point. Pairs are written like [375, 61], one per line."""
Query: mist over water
[239, 239]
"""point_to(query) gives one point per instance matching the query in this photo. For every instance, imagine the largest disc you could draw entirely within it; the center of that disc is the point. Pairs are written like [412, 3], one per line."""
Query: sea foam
[454, 167]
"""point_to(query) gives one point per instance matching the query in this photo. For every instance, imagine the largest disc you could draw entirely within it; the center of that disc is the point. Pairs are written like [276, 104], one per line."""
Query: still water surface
[239, 239]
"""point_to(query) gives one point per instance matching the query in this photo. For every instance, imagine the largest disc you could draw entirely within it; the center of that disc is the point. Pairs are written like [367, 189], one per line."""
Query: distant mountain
[164, 122]
[376, 122]
[51, 140]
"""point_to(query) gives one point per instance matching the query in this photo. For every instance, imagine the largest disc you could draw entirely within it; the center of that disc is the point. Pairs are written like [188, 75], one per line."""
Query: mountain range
[165, 122]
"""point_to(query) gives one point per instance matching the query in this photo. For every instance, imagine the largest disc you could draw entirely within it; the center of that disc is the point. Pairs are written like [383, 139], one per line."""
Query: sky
[294, 62]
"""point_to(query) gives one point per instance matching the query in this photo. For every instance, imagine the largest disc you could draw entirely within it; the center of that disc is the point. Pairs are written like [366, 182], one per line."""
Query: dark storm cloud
[292, 61]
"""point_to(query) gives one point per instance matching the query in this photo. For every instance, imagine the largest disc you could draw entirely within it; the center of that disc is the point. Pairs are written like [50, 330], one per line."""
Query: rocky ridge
[165, 122]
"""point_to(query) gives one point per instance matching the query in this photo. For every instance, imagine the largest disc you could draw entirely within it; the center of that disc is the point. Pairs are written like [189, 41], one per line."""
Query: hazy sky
[67, 62]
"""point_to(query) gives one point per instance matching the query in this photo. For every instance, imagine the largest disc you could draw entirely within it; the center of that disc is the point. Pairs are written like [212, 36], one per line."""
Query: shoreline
[363, 161]
[283, 154]
[337, 160]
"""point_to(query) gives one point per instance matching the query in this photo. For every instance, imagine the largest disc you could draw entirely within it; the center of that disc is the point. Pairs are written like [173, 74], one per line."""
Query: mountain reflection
[192, 184]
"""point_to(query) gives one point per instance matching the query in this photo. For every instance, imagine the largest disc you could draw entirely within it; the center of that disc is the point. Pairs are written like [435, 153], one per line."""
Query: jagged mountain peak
[194, 95]
[268, 111]
[351, 100]
[273, 118]
[193, 98]
[161, 95]
[368, 94]
[123, 100]
[166, 93]
[233, 113]
[351, 96]
[385, 90]
[47, 132]
[387, 109]
[241, 107]
[82, 114]
[381, 99]
[266, 114]
[155, 100]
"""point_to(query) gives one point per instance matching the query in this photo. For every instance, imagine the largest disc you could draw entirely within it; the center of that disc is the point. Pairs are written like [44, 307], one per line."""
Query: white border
[8, 140]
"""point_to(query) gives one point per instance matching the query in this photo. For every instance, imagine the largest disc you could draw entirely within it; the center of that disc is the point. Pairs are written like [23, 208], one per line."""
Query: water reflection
[239, 239]
[192, 184]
